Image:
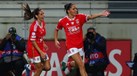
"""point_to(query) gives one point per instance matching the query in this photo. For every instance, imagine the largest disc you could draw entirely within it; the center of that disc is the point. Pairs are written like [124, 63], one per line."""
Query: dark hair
[67, 6]
[36, 12]
[91, 28]
[12, 30]
[90, 35]
[28, 14]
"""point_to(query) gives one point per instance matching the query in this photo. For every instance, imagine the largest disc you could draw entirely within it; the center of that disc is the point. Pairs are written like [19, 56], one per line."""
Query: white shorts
[38, 59]
[73, 51]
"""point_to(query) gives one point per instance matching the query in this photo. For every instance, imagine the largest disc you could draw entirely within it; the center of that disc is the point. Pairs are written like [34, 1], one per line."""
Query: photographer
[12, 47]
[95, 53]
[133, 65]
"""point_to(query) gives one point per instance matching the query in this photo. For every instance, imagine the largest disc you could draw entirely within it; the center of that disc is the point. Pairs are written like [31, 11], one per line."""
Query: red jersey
[73, 30]
[36, 33]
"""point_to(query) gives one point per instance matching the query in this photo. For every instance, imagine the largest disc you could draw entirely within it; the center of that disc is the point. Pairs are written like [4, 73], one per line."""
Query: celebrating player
[36, 47]
[72, 24]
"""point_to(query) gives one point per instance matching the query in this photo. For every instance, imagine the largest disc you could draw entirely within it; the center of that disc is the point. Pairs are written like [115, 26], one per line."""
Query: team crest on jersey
[72, 23]
[67, 24]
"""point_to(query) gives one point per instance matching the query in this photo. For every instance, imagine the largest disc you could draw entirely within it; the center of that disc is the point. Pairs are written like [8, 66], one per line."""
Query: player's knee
[81, 65]
[38, 69]
[47, 68]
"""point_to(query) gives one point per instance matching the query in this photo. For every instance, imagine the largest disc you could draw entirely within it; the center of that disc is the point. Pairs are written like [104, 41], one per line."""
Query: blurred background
[120, 25]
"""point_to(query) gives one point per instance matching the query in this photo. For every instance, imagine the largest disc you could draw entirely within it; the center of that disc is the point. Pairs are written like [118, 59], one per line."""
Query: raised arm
[103, 13]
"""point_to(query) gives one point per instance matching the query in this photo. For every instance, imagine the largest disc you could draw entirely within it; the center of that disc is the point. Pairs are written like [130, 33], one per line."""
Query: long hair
[28, 14]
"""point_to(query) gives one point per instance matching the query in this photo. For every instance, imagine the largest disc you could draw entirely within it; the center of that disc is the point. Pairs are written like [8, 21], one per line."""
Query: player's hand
[46, 47]
[57, 44]
[43, 55]
[105, 13]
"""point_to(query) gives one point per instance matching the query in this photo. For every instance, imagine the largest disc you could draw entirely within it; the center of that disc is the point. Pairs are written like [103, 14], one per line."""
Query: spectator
[133, 65]
[95, 53]
[12, 47]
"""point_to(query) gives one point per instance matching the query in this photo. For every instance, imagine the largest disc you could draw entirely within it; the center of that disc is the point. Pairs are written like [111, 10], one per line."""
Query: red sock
[32, 66]
[69, 65]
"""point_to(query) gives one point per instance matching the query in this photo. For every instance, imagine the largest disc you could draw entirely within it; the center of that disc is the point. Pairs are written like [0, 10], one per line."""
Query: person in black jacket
[133, 65]
[95, 53]
[12, 48]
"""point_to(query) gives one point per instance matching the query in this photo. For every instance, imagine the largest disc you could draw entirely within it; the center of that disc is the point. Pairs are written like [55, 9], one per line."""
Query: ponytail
[27, 14]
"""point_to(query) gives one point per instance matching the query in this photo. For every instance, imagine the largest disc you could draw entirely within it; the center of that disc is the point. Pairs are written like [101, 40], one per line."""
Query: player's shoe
[64, 66]
[27, 68]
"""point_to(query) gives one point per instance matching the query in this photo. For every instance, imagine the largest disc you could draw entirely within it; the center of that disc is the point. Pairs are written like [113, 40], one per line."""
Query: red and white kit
[37, 33]
[73, 31]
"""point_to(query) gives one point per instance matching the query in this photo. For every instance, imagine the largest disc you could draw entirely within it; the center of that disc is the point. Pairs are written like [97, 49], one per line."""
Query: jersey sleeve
[33, 32]
[59, 25]
[83, 18]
